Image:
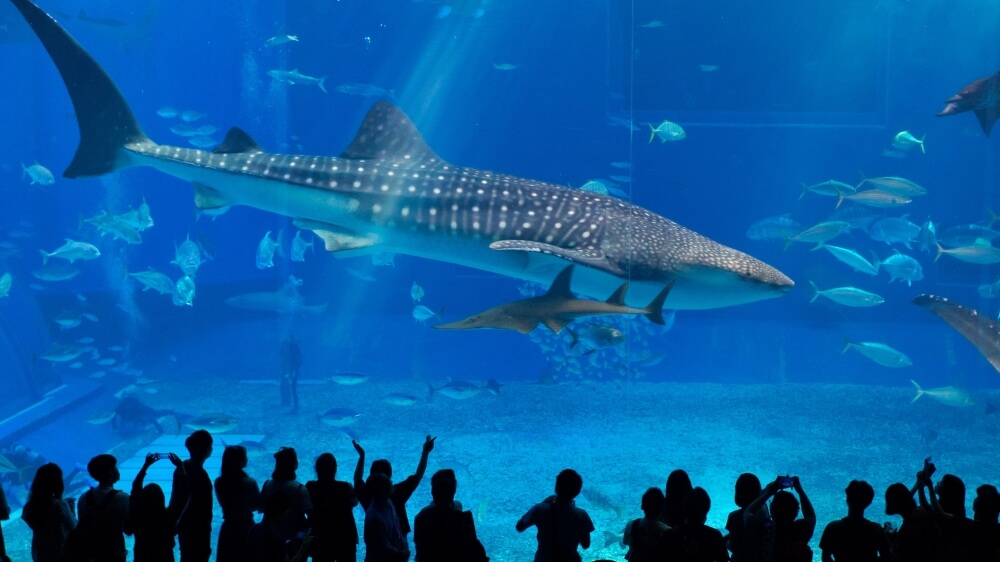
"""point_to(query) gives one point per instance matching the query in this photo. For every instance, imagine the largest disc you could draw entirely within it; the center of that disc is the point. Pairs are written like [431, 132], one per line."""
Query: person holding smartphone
[790, 535]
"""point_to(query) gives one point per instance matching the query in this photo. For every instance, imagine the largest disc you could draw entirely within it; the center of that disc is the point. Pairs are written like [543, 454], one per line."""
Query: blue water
[771, 97]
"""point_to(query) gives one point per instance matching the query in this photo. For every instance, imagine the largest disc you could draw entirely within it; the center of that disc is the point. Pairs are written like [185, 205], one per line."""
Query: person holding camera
[918, 538]
[152, 525]
[790, 536]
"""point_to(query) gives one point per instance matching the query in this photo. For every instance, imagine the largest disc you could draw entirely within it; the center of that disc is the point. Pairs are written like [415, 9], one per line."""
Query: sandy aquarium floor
[622, 438]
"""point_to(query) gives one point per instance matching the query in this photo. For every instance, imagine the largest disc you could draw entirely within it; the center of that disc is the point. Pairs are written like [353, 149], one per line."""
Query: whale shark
[389, 191]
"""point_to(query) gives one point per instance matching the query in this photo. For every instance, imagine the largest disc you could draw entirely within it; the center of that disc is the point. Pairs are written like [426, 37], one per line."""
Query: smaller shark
[557, 308]
[982, 97]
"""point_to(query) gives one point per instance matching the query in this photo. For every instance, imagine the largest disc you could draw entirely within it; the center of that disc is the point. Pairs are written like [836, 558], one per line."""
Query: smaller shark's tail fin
[105, 119]
[654, 311]
[920, 391]
[922, 149]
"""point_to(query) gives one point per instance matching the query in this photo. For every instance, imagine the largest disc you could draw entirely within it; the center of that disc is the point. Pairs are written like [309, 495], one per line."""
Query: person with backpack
[49, 516]
[103, 517]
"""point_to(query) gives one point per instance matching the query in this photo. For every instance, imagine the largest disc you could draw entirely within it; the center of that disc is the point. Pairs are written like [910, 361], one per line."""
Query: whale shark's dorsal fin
[388, 134]
[237, 140]
[560, 285]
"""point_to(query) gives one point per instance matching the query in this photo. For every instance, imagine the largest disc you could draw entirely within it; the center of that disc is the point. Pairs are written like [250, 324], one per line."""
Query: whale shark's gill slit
[105, 119]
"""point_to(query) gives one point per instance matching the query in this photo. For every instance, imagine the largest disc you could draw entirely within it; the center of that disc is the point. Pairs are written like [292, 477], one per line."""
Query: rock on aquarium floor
[622, 438]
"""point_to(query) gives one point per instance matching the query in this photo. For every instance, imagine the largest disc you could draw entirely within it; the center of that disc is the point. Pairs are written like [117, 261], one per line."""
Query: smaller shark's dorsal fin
[388, 134]
[618, 297]
[237, 140]
[560, 286]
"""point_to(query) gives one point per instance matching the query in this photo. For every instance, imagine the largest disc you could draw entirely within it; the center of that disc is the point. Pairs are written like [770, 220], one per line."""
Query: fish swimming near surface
[389, 191]
[947, 395]
[982, 331]
[981, 97]
[557, 308]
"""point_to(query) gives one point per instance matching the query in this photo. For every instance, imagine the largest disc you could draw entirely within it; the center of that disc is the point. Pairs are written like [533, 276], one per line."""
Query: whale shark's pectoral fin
[590, 257]
[206, 197]
[339, 239]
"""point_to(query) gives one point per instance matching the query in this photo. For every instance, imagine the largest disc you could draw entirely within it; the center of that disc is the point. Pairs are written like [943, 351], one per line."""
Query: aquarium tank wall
[623, 237]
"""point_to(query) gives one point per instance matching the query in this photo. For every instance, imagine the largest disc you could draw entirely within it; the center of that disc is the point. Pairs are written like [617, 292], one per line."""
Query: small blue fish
[299, 247]
[421, 313]
[266, 249]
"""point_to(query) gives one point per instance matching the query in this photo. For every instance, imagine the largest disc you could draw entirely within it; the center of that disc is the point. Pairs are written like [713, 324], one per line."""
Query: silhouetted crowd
[315, 520]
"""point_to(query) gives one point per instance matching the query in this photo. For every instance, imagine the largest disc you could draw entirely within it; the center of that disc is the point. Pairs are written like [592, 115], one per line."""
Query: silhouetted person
[283, 479]
[956, 528]
[4, 516]
[677, 488]
[267, 541]
[854, 538]
[402, 490]
[384, 538]
[152, 525]
[332, 518]
[694, 541]
[103, 512]
[562, 527]
[749, 540]
[791, 536]
[49, 516]
[442, 532]
[239, 496]
[918, 538]
[644, 536]
[986, 531]
[291, 362]
[191, 500]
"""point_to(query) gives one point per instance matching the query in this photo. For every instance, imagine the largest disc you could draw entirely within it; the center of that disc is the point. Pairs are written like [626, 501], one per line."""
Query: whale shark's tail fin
[105, 118]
